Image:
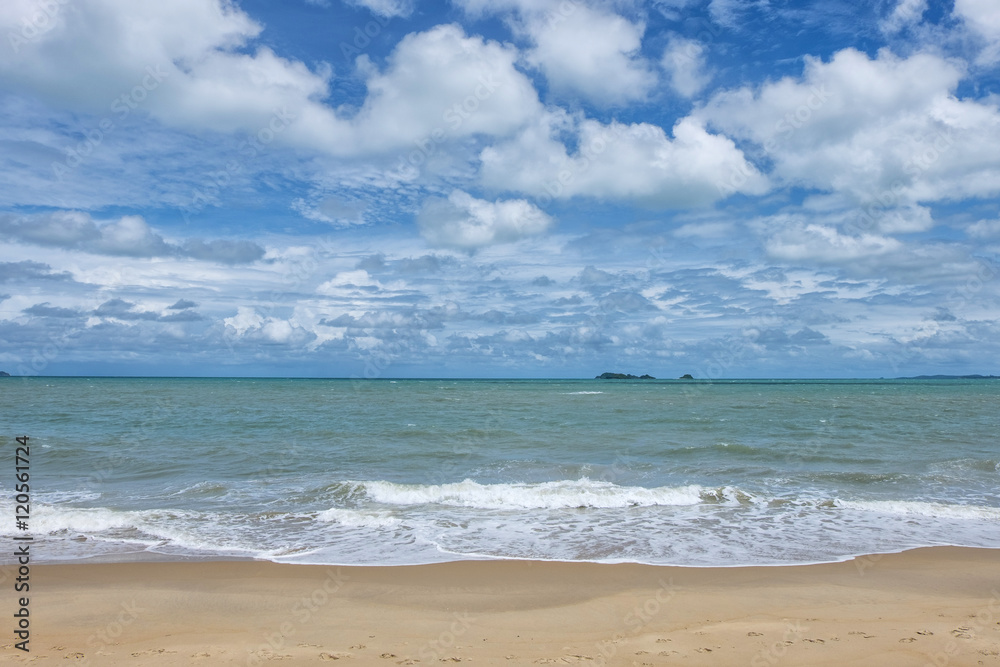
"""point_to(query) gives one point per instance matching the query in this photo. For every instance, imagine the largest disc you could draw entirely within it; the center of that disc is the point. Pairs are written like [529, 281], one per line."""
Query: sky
[508, 188]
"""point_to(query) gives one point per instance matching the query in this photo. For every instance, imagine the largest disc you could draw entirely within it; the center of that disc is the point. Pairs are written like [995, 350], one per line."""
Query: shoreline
[156, 557]
[931, 605]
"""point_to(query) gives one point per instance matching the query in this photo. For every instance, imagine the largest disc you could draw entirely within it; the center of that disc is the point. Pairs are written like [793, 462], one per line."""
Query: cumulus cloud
[441, 83]
[590, 53]
[684, 61]
[129, 236]
[464, 222]
[193, 64]
[982, 19]
[636, 162]
[248, 325]
[886, 130]
[585, 52]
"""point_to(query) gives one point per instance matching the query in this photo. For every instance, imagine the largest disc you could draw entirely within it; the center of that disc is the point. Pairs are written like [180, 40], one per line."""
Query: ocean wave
[566, 494]
[357, 519]
[581, 393]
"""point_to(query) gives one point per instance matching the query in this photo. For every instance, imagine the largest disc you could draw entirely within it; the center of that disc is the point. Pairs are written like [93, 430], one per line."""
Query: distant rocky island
[623, 376]
[4, 374]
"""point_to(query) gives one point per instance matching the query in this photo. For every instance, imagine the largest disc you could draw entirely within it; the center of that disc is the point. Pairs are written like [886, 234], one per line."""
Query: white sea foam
[49, 519]
[937, 510]
[357, 519]
[581, 393]
[542, 495]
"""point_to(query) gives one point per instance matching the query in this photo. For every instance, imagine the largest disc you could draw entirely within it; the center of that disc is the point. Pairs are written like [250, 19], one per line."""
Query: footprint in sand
[962, 632]
[864, 635]
[907, 640]
[334, 656]
[924, 632]
[565, 660]
[73, 656]
[358, 647]
[661, 640]
[815, 641]
[755, 634]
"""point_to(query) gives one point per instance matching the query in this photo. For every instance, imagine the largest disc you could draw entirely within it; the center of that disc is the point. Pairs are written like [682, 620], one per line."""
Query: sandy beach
[934, 606]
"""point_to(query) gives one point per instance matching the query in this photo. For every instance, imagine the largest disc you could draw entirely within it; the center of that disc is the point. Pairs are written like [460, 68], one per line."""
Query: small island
[686, 376]
[623, 376]
[4, 374]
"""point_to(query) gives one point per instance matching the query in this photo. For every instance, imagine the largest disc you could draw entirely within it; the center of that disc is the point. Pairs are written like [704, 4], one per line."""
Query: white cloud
[182, 62]
[984, 229]
[906, 13]
[386, 8]
[248, 325]
[331, 210]
[584, 51]
[885, 131]
[982, 18]
[727, 12]
[128, 236]
[806, 242]
[462, 221]
[636, 162]
[441, 84]
[346, 282]
[591, 54]
[192, 64]
[684, 60]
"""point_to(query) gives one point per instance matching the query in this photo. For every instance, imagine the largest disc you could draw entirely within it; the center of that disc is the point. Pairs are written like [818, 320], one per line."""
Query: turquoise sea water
[416, 471]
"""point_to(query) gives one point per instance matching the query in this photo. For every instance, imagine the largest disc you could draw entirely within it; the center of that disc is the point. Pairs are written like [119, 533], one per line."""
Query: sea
[392, 472]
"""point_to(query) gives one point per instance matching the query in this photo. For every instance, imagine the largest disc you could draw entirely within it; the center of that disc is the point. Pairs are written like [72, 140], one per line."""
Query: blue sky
[510, 188]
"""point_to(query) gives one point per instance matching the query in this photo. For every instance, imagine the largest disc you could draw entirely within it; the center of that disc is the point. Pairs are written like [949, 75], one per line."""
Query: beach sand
[935, 606]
